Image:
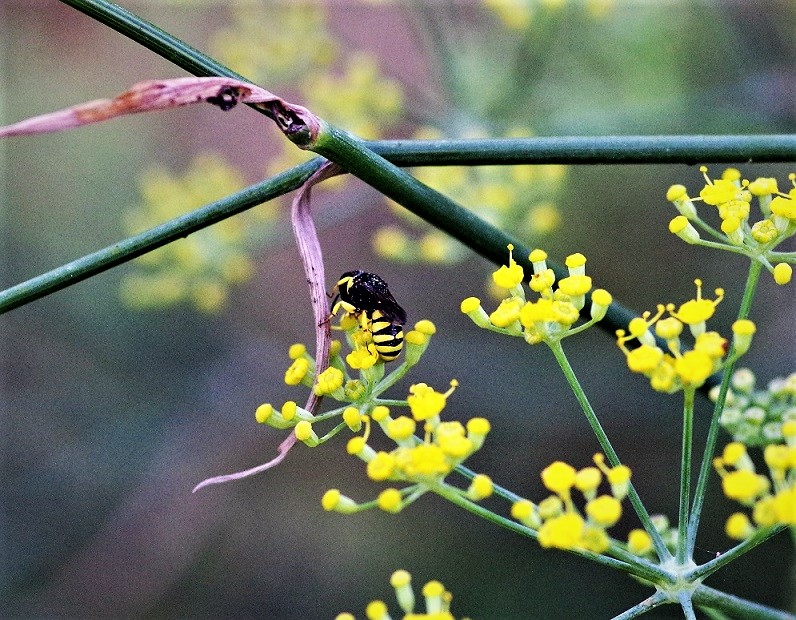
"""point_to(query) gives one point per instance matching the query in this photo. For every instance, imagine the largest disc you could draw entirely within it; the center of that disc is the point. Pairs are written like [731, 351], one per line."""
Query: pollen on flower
[401, 428]
[784, 207]
[738, 526]
[743, 485]
[289, 410]
[783, 273]
[681, 227]
[296, 351]
[263, 412]
[559, 477]
[423, 461]
[329, 381]
[330, 499]
[575, 263]
[353, 418]
[507, 313]
[676, 192]
[376, 610]
[693, 368]
[297, 371]
[639, 542]
[562, 532]
[389, 500]
[575, 285]
[669, 328]
[697, 310]
[538, 256]
[511, 275]
[424, 402]
[600, 301]
[644, 359]
[587, 480]
[480, 488]
[525, 512]
[604, 510]
[358, 446]
[733, 453]
[380, 413]
[426, 327]
[381, 467]
[362, 357]
[743, 329]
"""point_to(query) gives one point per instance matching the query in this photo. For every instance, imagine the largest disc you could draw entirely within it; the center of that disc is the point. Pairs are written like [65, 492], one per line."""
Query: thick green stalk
[127, 249]
[567, 150]
[685, 474]
[705, 469]
[608, 449]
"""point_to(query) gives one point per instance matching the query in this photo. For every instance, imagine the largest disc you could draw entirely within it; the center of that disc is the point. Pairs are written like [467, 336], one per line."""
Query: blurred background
[121, 393]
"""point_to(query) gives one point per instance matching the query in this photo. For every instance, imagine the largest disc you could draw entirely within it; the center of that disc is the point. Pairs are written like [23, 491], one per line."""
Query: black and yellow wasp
[366, 296]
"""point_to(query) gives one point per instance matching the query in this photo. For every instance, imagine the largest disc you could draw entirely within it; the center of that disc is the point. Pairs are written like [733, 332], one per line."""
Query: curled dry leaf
[312, 259]
[298, 123]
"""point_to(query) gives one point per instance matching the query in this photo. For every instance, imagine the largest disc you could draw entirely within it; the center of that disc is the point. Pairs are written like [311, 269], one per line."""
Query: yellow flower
[329, 381]
[509, 276]
[425, 403]
[744, 485]
[297, 371]
[604, 510]
[639, 542]
[693, 368]
[559, 477]
[562, 532]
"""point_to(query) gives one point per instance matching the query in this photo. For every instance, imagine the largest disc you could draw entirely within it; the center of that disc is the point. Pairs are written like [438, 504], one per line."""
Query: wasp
[366, 296]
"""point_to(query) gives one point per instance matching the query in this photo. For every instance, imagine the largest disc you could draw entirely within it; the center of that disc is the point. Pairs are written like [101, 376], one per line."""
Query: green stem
[752, 279]
[736, 607]
[708, 568]
[132, 247]
[656, 600]
[455, 497]
[685, 474]
[608, 449]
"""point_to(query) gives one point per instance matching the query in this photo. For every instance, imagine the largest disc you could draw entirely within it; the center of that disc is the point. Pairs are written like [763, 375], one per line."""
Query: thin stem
[736, 607]
[455, 497]
[686, 604]
[752, 279]
[608, 449]
[685, 474]
[656, 600]
[708, 568]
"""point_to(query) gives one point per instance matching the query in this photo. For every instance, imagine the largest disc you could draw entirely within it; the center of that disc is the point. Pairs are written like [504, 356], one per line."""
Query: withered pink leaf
[223, 92]
[312, 259]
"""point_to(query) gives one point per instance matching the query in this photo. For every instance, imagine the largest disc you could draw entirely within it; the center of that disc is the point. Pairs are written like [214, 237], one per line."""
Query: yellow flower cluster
[518, 198]
[772, 498]
[757, 417]
[201, 268]
[559, 522]
[338, 383]
[424, 464]
[676, 369]
[551, 317]
[732, 197]
[437, 601]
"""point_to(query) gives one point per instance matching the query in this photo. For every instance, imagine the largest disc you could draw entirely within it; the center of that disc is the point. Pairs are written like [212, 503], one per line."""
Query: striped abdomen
[388, 337]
